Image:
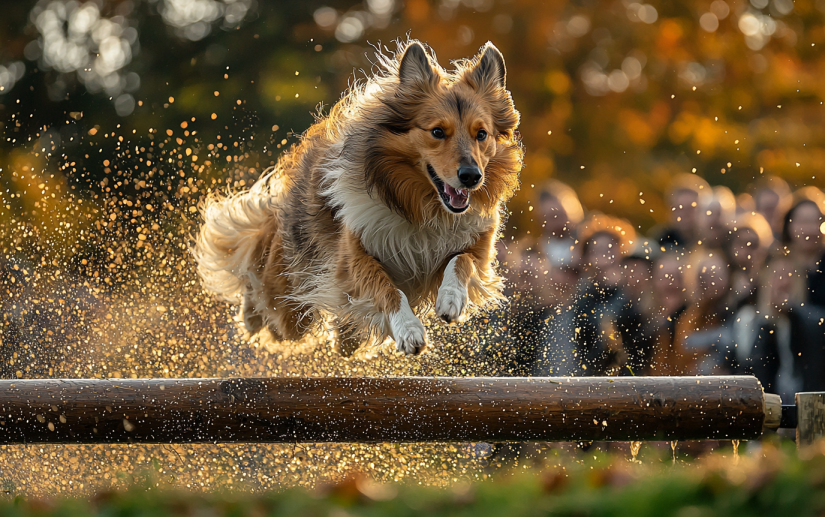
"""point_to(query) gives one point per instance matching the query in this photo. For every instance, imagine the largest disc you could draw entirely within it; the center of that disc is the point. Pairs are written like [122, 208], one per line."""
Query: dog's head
[456, 131]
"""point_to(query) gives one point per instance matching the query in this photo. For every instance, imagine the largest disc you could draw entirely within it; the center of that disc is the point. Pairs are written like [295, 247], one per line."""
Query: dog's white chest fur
[409, 252]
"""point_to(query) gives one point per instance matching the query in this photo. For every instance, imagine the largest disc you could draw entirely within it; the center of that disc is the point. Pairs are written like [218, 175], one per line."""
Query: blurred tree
[616, 96]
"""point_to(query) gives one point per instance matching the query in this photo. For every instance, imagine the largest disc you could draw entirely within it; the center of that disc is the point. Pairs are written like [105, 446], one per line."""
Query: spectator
[521, 330]
[788, 355]
[556, 354]
[561, 212]
[599, 299]
[701, 332]
[772, 200]
[668, 307]
[802, 238]
[529, 309]
[636, 313]
[750, 239]
[683, 199]
[637, 278]
[715, 213]
[745, 204]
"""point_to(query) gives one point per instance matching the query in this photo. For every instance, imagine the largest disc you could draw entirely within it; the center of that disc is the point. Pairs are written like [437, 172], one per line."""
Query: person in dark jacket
[802, 237]
[788, 354]
[669, 304]
[603, 331]
[750, 239]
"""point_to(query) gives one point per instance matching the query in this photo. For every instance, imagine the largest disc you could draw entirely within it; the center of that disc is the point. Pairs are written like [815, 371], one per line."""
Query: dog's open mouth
[456, 200]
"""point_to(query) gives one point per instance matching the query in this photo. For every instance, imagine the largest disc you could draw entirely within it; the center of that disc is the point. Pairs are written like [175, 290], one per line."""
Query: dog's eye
[481, 135]
[438, 133]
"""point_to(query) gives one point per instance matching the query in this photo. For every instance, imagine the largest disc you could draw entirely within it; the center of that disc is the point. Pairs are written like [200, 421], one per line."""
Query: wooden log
[773, 411]
[810, 407]
[413, 409]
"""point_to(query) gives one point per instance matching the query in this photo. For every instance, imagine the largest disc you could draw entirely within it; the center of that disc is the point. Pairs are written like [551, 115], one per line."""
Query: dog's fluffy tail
[232, 239]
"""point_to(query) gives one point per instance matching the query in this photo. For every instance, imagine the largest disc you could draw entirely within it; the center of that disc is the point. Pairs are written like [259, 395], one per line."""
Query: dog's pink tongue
[458, 197]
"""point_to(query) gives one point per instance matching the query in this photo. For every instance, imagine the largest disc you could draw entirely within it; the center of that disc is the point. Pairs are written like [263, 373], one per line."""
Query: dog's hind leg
[364, 278]
[253, 322]
[285, 323]
[283, 318]
[347, 339]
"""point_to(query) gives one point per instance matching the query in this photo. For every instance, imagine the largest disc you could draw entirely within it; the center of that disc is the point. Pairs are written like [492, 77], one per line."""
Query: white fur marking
[452, 295]
[407, 330]
[409, 252]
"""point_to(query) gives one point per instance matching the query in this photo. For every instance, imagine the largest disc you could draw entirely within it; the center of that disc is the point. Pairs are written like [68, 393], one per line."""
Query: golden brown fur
[375, 212]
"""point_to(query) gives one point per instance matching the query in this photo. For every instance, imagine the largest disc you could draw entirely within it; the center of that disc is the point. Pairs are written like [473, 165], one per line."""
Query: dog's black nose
[469, 176]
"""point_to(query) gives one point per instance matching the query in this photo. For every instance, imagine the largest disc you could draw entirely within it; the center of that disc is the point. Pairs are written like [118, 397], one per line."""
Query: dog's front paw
[452, 295]
[407, 330]
[411, 340]
[450, 302]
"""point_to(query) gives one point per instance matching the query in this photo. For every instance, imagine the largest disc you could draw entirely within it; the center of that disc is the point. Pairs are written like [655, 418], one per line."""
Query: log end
[772, 405]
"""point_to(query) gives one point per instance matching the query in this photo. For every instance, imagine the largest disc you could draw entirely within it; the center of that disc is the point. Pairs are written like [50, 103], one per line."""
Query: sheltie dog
[392, 201]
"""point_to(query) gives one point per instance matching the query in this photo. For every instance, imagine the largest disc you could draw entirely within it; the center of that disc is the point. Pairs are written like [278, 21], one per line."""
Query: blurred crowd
[732, 284]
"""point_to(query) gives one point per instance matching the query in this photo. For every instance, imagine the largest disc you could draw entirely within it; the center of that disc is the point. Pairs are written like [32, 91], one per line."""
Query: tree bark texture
[410, 409]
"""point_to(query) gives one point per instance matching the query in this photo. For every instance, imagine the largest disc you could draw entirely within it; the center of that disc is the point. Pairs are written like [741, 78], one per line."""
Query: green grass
[773, 481]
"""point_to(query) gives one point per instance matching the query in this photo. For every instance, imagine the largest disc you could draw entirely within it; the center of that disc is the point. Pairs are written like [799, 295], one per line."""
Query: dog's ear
[415, 68]
[489, 68]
